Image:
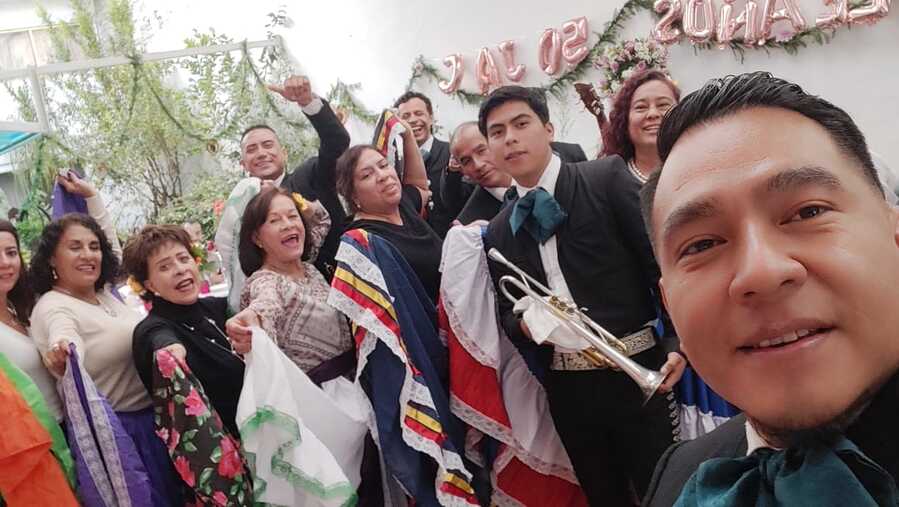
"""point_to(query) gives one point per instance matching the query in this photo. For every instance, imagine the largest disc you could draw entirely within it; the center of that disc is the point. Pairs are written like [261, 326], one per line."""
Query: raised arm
[414, 173]
[333, 137]
[453, 190]
[95, 207]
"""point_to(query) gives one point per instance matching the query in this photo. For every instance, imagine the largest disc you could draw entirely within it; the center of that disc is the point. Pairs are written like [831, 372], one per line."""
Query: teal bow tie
[539, 213]
[820, 475]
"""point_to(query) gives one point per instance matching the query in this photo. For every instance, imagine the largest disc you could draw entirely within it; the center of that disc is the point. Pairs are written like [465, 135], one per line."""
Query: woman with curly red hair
[637, 112]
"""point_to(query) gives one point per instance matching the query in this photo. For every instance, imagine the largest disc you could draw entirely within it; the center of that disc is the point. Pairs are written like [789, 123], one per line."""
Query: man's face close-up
[415, 112]
[780, 266]
[261, 154]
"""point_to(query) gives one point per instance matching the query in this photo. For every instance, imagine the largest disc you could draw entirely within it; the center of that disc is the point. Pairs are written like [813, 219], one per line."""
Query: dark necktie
[538, 213]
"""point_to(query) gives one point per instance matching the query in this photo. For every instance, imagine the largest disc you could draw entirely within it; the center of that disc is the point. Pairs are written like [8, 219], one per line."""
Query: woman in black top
[159, 258]
[383, 205]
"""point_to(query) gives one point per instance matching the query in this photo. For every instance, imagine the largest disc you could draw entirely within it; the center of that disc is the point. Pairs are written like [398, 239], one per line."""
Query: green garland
[610, 34]
[343, 95]
[421, 68]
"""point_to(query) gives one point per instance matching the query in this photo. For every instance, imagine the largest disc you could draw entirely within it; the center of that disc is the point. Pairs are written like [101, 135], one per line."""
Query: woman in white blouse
[73, 266]
[16, 302]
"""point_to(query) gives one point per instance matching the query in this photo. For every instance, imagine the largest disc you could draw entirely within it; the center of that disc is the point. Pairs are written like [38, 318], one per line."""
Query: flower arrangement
[620, 61]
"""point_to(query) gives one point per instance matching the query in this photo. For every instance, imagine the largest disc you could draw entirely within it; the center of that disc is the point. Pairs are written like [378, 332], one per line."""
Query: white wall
[375, 43]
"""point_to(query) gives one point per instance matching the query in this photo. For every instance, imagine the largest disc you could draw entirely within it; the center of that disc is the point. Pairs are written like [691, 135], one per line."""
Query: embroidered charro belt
[641, 341]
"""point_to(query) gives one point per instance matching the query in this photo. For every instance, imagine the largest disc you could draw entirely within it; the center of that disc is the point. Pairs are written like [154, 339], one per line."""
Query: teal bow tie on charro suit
[538, 213]
[837, 475]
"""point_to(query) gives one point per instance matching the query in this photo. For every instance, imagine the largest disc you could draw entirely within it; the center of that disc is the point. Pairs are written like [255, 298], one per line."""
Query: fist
[295, 89]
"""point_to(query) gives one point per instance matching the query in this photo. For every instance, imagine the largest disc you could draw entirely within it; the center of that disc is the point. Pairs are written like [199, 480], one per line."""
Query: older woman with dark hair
[380, 203]
[637, 112]
[76, 260]
[159, 257]
[284, 294]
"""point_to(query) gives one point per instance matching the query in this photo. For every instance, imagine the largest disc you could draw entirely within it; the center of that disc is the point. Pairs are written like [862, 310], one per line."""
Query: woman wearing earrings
[75, 261]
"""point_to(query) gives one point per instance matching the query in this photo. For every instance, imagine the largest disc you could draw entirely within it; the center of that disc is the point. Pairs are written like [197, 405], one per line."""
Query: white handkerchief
[546, 327]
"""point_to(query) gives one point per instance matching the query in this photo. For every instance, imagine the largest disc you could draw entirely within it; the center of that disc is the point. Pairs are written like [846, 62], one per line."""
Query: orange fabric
[29, 474]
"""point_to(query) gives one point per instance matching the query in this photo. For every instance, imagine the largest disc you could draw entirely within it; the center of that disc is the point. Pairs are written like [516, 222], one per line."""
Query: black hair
[251, 255]
[406, 97]
[533, 97]
[42, 278]
[258, 126]
[21, 296]
[346, 170]
[725, 96]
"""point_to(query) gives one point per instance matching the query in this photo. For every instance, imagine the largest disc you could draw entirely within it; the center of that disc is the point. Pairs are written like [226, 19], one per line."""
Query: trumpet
[606, 350]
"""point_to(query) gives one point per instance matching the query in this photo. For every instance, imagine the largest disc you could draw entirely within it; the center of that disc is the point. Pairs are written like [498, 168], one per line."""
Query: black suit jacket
[482, 205]
[603, 248]
[315, 179]
[682, 459]
[456, 193]
[439, 216]
[874, 432]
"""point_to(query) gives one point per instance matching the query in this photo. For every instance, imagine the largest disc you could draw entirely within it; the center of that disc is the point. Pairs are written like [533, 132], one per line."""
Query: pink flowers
[194, 404]
[220, 499]
[183, 468]
[174, 439]
[166, 363]
[230, 464]
[218, 207]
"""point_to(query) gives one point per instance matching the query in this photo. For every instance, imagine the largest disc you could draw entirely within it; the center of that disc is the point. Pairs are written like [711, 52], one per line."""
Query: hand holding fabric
[239, 330]
[75, 185]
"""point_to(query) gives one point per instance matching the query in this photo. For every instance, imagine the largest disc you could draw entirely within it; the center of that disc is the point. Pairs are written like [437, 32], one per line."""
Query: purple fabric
[110, 470]
[166, 486]
[65, 202]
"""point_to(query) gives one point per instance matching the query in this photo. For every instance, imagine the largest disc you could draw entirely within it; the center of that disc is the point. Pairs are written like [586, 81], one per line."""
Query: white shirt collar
[427, 145]
[754, 440]
[280, 178]
[499, 193]
[547, 179]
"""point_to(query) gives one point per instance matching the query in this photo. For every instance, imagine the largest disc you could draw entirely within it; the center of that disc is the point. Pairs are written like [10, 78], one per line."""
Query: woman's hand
[177, 350]
[57, 357]
[239, 332]
[673, 369]
[75, 185]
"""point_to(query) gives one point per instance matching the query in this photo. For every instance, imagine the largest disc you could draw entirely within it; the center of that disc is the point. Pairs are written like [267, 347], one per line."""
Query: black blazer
[604, 251]
[569, 152]
[439, 215]
[315, 179]
[874, 432]
[482, 205]
[682, 459]
[456, 193]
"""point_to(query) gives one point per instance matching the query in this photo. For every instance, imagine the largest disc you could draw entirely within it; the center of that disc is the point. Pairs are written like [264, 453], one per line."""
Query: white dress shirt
[427, 145]
[754, 440]
[499, 193]
[549, 252]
